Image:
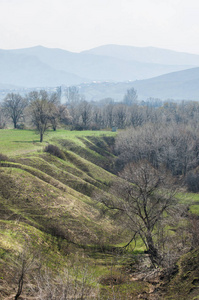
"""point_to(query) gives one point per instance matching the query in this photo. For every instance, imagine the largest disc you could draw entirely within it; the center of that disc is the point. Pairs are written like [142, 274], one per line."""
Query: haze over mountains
[182, 85]
[45, 67]
[146, 55]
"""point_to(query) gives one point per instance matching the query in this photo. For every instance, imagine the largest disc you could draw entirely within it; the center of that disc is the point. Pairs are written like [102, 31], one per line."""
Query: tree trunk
[153, 251]
[41, 137]
[20, 286]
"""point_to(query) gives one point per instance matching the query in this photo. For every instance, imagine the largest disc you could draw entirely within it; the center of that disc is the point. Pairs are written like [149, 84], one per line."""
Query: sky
[77, 25]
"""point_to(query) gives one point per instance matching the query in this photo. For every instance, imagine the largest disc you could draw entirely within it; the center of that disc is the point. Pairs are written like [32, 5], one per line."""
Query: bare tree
[120, 116]
[142, 199]
[97, 118]
[13, 107]
[130, 97]
[137, 116]
[58, 114]
[25, 263]
[40, 110]
[72, 95]
[2, 119]
[109, 115]
[85, 113]
[64, 115]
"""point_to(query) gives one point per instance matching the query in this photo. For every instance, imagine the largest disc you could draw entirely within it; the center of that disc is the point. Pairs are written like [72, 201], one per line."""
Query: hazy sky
[76, 25]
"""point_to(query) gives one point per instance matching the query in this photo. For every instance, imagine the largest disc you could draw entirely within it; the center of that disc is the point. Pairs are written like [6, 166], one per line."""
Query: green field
[16, 142]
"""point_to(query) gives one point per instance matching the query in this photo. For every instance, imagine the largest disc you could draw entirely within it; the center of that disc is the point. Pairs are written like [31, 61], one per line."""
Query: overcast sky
[77, 25]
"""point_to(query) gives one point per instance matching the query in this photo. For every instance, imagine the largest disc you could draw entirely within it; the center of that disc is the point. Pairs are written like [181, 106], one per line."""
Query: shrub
[77, 127]
[113, 279]
[2, 125]
[20, 126]
[3, 157]
[54, 150]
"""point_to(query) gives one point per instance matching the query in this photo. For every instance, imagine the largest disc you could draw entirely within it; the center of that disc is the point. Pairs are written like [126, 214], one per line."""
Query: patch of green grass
[191, 200]
[188, 198]
[194, 209]
[17, 142]
[125, 290]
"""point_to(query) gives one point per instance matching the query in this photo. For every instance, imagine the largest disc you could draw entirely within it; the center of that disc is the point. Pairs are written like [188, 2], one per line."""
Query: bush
[54, 150]
[113, 279]
[77, 127]
[2, 125]
[20, 126]
[3, 157]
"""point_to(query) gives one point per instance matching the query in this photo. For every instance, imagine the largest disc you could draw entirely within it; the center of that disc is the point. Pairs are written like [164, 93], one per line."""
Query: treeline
[44, 110]
[39, 110]
[174, 146]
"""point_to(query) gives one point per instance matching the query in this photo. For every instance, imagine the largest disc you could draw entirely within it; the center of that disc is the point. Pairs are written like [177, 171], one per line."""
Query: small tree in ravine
[142, 198]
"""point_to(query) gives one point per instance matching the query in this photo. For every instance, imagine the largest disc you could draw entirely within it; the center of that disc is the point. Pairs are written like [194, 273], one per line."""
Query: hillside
[181, 85]
[46, 209]
[50, 223]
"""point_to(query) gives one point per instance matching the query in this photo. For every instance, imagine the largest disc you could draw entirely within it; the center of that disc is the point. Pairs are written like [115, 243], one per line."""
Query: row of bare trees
[174, 146]
[44, 110]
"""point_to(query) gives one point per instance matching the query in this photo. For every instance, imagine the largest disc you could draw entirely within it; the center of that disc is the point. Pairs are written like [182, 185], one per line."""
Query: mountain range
[46, 67]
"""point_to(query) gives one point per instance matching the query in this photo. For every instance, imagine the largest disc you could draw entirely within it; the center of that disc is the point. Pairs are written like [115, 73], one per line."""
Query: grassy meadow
[16, 142]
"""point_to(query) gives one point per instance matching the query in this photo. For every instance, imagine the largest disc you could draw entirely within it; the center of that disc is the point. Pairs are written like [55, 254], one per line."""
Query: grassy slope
[45, 201]
[50, 189]
[43, 197]
[184, 284]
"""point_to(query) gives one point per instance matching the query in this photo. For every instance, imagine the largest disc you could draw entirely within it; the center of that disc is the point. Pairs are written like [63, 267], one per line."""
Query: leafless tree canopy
[142, 199]
[13, 107]
[174, 147]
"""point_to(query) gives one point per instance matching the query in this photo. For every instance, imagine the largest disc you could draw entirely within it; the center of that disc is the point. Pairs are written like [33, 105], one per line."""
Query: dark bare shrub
[54, 150]
[192, 181]
[3, 157]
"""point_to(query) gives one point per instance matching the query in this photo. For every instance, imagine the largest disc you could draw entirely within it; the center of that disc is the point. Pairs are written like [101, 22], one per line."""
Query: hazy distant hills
[176, 85]
[146, 55]
[97, 67]
[29, 71]
[45, 67]
[181, 85]
[40, 66]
